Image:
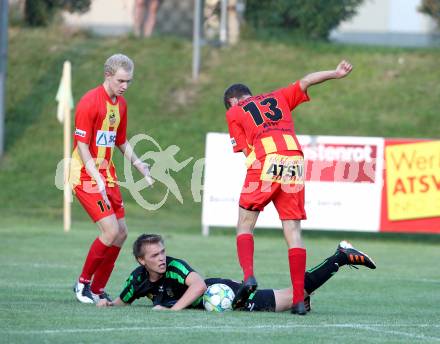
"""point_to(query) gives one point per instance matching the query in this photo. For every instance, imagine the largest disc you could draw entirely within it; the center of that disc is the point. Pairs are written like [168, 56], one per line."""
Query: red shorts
[277, 177]
[95, 206]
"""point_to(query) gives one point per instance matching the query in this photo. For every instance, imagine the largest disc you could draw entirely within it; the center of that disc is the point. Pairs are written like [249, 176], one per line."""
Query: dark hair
[145, 239]
[235, 91]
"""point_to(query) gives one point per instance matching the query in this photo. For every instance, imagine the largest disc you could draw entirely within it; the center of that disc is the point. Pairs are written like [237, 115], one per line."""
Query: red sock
[94, 258]
[245, 251]
[104, 270]
[297, 264]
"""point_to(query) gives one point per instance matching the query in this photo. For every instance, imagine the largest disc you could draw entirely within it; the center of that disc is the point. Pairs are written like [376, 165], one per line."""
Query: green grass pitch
[397, 303]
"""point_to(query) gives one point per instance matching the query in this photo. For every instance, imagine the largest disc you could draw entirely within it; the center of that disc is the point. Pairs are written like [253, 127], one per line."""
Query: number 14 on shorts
[283, 169]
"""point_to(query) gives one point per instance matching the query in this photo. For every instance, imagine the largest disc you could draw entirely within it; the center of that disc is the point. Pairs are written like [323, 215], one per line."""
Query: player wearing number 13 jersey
[262, 128]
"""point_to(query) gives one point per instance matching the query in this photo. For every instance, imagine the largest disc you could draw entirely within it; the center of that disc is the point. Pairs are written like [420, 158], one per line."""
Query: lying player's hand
[160, 308]
[343, 69]
[104, 303]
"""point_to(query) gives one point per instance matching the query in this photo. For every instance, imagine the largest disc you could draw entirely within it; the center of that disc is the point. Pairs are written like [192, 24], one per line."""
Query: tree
[41, 12]
[432, 8]
[312, 18]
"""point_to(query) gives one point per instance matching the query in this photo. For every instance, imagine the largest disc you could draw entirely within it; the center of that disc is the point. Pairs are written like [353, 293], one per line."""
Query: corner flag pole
[65, 105]
[3, 62]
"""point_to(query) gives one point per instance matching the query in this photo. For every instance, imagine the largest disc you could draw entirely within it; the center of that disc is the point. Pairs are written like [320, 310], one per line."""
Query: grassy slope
[381, 98]
[396, 303]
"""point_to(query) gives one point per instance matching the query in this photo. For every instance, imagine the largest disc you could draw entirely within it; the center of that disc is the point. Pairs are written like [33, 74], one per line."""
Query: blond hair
[117, 61]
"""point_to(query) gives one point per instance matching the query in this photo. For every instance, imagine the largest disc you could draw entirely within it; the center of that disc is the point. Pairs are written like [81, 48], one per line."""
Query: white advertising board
[344, 179]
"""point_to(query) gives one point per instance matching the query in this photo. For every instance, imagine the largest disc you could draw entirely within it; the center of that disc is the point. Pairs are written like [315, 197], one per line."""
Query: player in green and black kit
[172, 284]
[168, 289]
[169, 282]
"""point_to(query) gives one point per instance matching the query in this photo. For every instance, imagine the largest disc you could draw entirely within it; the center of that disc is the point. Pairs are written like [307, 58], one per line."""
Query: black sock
[317, 276]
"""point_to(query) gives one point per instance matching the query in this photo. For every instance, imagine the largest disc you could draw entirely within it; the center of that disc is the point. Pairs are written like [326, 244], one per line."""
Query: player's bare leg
[123, 232]
[153, 5]
[139, 17]
[283, 299]
[109, 228]
[297, 263]
[245, 251]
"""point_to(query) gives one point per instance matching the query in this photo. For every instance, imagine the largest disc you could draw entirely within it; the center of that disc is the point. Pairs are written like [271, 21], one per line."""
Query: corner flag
[65, 104]
[64, 95]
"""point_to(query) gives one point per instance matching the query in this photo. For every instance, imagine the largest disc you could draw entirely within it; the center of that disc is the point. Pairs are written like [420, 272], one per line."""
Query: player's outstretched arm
[342, 70]
[196, 288]
[143, 168]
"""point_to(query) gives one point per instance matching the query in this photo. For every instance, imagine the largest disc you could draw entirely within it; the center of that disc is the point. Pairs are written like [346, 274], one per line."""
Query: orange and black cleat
[354, 256]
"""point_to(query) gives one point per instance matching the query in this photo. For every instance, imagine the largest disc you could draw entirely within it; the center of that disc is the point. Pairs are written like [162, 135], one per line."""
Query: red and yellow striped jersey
[102, 124]
[264, 123]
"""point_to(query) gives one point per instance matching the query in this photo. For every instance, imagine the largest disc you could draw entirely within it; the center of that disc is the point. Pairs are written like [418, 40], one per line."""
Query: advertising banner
[343, 183]
[411, 194]
[352, 183]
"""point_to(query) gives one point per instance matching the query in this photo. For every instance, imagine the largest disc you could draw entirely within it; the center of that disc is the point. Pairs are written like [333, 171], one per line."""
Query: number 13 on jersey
[274, 114]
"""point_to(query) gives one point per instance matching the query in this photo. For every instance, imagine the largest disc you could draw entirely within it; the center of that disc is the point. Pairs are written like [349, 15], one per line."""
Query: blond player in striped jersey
[100, 126]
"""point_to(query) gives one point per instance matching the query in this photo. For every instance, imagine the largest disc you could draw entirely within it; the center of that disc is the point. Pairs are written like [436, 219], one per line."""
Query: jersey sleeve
[121, 134]
[131, 290]
[179, 270]
[294, 95]
[84, 119]
[236, 133]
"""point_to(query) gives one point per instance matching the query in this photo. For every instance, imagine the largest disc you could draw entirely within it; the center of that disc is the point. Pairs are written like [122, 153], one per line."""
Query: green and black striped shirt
[166, 291]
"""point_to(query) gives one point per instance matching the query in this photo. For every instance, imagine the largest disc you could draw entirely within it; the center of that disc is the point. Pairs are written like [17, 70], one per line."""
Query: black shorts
[262, 300]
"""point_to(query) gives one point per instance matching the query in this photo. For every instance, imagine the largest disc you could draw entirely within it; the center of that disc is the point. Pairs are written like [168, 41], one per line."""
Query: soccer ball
[218, 298]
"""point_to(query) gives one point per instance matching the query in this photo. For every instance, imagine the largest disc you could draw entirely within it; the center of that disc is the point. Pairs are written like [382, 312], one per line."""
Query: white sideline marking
[399, 333]
[426, 280]
[367, 327]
